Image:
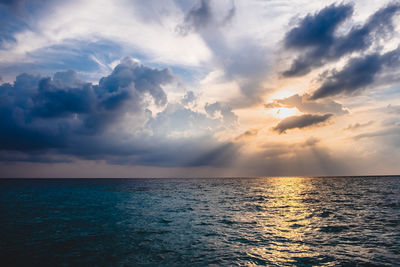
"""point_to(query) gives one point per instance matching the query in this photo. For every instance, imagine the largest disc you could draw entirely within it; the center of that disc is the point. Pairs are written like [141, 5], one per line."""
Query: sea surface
[291, 221]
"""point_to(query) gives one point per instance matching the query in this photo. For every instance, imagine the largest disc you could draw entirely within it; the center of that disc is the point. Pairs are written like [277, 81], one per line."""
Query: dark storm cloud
[317, 30]
[28, 105]
[315, 36]
[64, 116]
[303, 104]
[357, 74]
[315, 33]
[300, 122]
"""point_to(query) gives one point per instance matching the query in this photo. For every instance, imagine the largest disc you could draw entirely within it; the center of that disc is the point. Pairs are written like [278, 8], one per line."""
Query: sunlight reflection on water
[289, 220]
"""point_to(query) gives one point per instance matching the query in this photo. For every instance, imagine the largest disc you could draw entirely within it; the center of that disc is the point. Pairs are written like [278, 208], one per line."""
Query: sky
[199, 88]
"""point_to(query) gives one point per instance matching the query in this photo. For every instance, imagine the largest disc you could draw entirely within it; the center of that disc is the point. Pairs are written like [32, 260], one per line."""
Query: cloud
[53, 26]
[10, 21]
[306, 157]
[318, 29]
[251, 133]
[84, 107]
[221, 155]
[357, 126]
[201, 16]
[303, 104]
[16, 6]
[178, 121]
[317, 39]
[393, 131]
[230, 15]
[248, 65]
[394, 109]
[273, 150]
[188, 98]
[242, 60]
[301, 121]
[311, 141]
[90, 58]
[228, 116]
[63, 118]
[357, 74]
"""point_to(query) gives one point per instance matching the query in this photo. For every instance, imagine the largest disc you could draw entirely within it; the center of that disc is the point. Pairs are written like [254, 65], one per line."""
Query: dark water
[197, 222]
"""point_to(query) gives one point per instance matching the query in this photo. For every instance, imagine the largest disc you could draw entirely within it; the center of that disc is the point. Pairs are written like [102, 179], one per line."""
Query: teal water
[346, 221]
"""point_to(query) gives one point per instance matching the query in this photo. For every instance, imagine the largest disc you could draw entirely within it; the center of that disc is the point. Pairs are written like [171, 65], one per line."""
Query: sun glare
[282, 93]
[282, 113]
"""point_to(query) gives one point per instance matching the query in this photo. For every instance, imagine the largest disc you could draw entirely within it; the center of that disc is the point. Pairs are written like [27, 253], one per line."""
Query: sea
[266, 221]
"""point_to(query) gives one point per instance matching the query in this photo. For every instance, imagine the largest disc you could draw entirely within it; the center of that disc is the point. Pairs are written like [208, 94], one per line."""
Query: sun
[282, 113]
[283, 93]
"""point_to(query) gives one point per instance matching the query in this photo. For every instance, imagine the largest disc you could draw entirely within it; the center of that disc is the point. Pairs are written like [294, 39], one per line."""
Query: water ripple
[353, 221]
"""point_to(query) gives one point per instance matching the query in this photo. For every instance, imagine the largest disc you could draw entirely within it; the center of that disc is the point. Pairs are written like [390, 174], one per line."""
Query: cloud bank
[67, 117]
[357, 74]
[317, 39]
